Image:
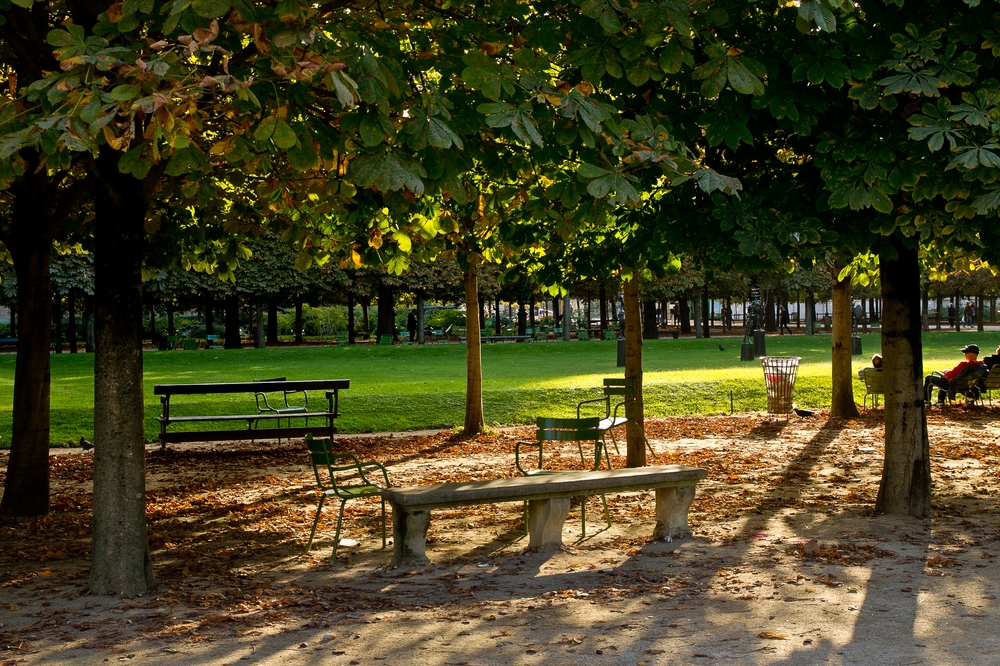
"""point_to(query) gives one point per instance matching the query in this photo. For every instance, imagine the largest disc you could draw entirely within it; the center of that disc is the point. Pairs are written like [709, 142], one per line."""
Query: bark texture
[635, 429]
[474, 419]
[26, 490]
[842, 399]
[906, 472]
[120, 549]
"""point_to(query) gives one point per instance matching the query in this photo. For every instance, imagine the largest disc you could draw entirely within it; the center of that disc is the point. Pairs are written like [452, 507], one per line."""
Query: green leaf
[672, 57]
[22, 3]
[135, 162]
[124, 93]
[211, 8]
[265, 129]
[741, 79]
[284, 136]
[591, 171]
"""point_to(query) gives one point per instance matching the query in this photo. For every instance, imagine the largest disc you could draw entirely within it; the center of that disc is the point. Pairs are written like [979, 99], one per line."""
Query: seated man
[942, 380]
[876, 363]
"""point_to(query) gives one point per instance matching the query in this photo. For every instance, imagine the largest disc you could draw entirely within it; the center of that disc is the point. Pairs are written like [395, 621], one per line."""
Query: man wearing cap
[941, 380]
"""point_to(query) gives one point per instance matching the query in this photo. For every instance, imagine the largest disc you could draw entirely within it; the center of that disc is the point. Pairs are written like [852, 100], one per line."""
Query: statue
[754, 316]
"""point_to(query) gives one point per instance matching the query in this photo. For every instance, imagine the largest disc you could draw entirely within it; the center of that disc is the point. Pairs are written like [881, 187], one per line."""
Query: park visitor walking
[785, 319]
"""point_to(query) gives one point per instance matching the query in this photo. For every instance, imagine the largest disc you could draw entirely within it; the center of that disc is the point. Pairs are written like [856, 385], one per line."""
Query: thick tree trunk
[57, 322]
[906, 472]
[649, 330]
[705, 313]
[685, 314]
[120, 560]
[272, 323]
[603, 297]
[842, 399]
[259, 328]
[26, 490]
[386, 310]
[567, 318]
[810, 314]
[351, 335]
[232, 305]
[71, 309]
[497, 327]
[474, 418]
[635, 428]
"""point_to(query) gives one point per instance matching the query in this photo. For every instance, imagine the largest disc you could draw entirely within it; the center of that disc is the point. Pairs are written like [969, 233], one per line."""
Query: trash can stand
[779, 379]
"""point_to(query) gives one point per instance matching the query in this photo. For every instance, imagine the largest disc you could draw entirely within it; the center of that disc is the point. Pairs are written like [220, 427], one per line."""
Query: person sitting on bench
[941, 380]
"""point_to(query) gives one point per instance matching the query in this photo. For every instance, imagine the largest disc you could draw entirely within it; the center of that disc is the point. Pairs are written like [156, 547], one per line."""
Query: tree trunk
[649, 331]
[260, 332]
[906, 473]
[522, 313]
[120, 560]
[810, 314]
[233, 322]
[88, 318]
[685, 314]
[635, 428]
[706, 315]
[171, 330]
[297, 326]
[498, 330]
[567, 320]
[272, 323]
[71, 310]
[351, 335]
[26, 489]
[420, 320]
[474, 418]
[602, 296]
[842, 399]
[386, 310]
[57, 321]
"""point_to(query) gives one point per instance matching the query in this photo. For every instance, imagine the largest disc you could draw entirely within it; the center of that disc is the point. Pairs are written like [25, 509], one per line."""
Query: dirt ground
[787, 564]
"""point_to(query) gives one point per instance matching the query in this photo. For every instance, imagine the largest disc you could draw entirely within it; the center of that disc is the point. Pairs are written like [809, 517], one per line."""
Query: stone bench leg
[409, 536]
[545, 521]
[672, 506]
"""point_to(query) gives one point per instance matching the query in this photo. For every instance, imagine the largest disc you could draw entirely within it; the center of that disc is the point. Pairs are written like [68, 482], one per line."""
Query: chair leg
[614, 441]
[583, 516]
[607, 516]
[383, 523]
[322, 498]
[524, 515]
[336, 537]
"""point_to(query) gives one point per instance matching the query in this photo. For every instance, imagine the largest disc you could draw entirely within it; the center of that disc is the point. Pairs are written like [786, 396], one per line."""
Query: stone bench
[548, 498]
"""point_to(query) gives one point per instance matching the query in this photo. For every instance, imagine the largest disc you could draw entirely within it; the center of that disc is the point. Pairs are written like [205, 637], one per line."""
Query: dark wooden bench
[324, 426]
[506, 338]
[548, 500]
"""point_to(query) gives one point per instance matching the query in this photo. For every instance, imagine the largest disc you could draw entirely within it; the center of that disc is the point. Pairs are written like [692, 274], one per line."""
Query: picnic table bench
[548, 500]
[324, 418]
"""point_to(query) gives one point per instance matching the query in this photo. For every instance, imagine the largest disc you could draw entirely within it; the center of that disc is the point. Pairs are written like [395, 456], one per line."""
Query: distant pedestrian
[951, 314]
[411, 326]
[785, 319]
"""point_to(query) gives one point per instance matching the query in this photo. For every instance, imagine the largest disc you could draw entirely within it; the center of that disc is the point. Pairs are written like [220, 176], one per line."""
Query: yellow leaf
[772, 635]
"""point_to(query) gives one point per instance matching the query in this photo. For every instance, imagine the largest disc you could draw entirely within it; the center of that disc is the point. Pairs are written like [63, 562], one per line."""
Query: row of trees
[561, 141]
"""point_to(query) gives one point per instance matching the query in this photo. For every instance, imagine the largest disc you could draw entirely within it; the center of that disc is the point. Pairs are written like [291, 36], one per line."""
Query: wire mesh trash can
[779, 378]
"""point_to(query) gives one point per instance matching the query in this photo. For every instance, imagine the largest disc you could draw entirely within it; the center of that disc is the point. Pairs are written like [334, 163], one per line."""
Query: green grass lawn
[413, 387]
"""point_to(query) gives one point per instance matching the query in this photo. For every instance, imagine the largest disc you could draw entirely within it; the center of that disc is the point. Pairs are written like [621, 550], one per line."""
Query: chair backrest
[567, 430]
[874, 380]
[992, 380]
[330, 468]
[967, 378]
[609, 334]
[582, 335]
[620, 386]
[385, 340]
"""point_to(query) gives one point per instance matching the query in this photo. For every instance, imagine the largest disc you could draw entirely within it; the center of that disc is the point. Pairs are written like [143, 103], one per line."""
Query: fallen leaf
[772, 636]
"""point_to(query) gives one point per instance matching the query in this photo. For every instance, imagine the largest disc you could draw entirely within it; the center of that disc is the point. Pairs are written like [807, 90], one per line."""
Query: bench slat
[251, 387]
[175, 436]
[563, 484]
[244, 417]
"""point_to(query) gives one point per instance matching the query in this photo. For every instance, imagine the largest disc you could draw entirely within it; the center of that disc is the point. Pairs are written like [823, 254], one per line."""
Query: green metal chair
[992, 383]
[385, 340]
[566, 430]
[623, 390]
[874, 385]
[968, 383]
[582, 335]
[343, 476]
[609, 334]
